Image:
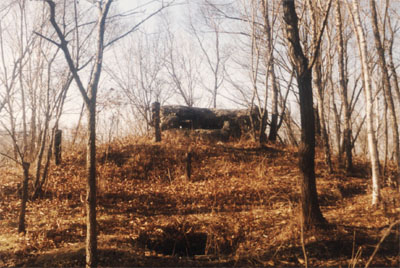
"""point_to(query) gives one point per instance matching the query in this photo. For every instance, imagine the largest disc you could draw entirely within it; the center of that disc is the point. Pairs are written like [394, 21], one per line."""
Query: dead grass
[239, 208]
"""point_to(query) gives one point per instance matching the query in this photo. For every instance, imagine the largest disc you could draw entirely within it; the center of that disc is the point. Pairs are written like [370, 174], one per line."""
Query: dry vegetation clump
[240, 207]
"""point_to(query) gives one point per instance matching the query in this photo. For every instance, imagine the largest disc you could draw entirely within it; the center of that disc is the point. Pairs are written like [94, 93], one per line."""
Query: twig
[303, 246]
[11, 158]
[386, 234]
[354, 246]
[356, 258]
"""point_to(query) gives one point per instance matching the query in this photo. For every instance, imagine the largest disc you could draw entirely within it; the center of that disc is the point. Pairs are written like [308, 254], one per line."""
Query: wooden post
[24, 198]
[57, 146]
[188, 165]
[155, 112]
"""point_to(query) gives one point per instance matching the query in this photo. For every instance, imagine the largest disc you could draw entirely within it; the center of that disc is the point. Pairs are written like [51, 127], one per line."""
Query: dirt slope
[238, 208]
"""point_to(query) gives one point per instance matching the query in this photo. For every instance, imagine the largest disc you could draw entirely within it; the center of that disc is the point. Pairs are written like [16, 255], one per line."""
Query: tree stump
[57, 146]
[155, 112]
[188, 165]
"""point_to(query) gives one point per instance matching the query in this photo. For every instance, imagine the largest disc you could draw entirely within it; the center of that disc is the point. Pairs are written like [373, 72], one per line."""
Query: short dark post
[24, 198]
[57, 146]
[188, 165]
[155, 112]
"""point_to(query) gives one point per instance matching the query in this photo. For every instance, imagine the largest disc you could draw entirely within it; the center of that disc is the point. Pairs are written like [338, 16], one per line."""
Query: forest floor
[239, 208]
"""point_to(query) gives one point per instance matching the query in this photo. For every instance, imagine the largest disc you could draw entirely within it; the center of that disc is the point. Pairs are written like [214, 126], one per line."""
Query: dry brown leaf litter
[239, 208]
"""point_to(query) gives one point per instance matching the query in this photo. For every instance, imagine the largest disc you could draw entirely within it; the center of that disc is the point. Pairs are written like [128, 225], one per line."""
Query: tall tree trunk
[273, 130]
[41, 180]
[317, 81]
[332, 100]
[343, 90]
[392, 65]
[311, 212]
[42, 145]
[91, 224]
[372, 142]
[90, 98]
[22, 87]
[337, 127]
[321, 113]
[386, 132]
[386, 84]
[78, 125]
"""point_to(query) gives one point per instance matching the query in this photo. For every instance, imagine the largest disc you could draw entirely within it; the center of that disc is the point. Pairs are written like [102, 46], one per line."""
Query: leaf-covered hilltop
[316, 92]
[240, 207]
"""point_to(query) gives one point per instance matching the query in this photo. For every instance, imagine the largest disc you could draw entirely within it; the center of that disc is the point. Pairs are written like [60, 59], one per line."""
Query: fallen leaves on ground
[240, 204]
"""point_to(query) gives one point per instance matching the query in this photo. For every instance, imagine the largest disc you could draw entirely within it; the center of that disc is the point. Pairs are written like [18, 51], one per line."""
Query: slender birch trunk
[386, 84]
[372, 142]
[391, 62]
[343, 90]
[336, 114]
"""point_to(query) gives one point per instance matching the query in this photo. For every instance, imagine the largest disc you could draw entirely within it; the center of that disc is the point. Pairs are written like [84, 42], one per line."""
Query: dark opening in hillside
[174, 241]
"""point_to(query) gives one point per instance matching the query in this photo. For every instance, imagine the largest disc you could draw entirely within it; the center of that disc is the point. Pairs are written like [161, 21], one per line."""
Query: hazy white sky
[132, 4]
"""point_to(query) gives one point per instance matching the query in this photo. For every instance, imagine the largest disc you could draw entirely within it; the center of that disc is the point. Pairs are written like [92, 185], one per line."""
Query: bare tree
[317, 80]
[90, 101]
[343, 88]
[258, 99]
[26, 80]
[311, 212]
[213, 52]
[89, 95]
[269, 23]
[392, 66]
[141, 74]
[366, 72]
[182, 67]
[386, 84]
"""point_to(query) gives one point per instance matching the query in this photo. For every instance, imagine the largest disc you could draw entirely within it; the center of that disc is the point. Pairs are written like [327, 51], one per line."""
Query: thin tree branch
[47, 39]
[64, 47]
[386, 234]
[321, 33]
[134, 28]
